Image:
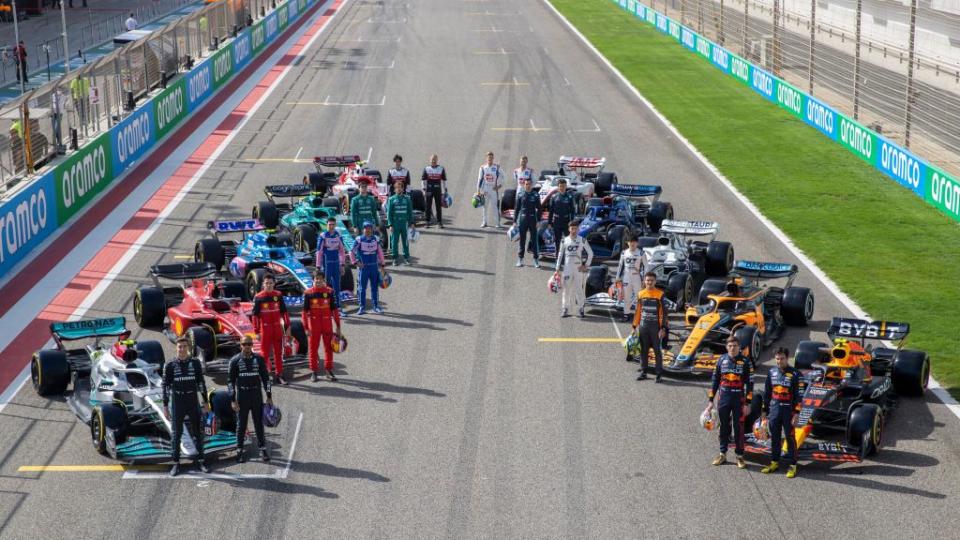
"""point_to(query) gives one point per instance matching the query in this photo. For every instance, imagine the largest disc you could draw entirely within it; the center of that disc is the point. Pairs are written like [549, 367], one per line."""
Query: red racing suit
[320, 313]
[270, 316]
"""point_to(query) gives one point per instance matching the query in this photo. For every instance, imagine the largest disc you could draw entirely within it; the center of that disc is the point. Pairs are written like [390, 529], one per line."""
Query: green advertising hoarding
[82, 176]
[943, 192]
[170, 107]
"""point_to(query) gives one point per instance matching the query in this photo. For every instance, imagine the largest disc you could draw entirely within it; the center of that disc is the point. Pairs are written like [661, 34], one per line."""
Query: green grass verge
[892, 253]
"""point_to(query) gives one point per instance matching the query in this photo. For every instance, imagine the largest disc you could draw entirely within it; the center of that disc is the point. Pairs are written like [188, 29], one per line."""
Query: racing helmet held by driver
[761, 429]
[478, 200]
[339, 344]
[385, 280]
[271, 415]
[709, 418]
[446, 201]
[513, 233]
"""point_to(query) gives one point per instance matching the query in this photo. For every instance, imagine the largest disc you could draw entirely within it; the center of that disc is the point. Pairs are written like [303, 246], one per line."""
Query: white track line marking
[327, 103]
[296, 157]
[369, 153]
[596, 128]
[937, 390]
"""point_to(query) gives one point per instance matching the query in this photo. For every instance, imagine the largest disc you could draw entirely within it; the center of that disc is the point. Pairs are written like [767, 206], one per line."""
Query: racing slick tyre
[332, 202]
[615, 239]
[911, 372]
[284, 239]
[659, 212]
[418, 201]
[151, 352]
[266, 212]
[749, 339]
[604, 183]
[254, 281]
[374, 174]
[232, 289]
[221, 405]
[797, 306]
[865, 428]
[299, 335]
[104, 418]
[597, 281]
[808, 353]
[719, 258]
[209, 250]
[346, 280]
[149, 307]
[321, 182]
[203, 344]
[50, 372]
[680, 289]
[711, 286]
[305, 238]
[509, 200]
[547, 172]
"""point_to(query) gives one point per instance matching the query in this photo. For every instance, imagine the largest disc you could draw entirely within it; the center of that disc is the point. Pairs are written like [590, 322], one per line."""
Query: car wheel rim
[729, 259]
[808, 308]
[35, 374]
[95, 430]
[137, 309]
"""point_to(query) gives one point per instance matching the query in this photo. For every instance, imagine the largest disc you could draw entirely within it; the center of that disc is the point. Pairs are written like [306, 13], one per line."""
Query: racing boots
[519, 262]
[582, 315]
[330, 376]
[720, 459]
[241, 455]
[536, 263]
[377, 309]
[792, 471]
[741, 463]
[772, 467]
[204, 468]
[643, 375]
[174, 469]
[313, 377]
[265, 455]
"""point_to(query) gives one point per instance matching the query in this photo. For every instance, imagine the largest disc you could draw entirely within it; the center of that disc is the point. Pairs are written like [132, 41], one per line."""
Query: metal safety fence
[894, 66]
[61, 116]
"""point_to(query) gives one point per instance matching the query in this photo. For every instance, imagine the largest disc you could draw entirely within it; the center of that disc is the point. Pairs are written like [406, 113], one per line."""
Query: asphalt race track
[450, 418]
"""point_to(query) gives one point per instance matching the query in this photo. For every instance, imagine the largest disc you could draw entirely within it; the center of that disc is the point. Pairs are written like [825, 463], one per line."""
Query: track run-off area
[457, 413]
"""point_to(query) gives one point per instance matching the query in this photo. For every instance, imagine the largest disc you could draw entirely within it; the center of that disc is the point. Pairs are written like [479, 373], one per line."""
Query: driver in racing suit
[562, 209]
[573, 260]
[368, 257]
[364, 207]
[182, 381]
[629, 276]
[246, 374]
[320, 313]
[398, 173]
[434, 180]
[488, 184]
[270, 317]
[331, 254]
[522, 173]
[732, 385]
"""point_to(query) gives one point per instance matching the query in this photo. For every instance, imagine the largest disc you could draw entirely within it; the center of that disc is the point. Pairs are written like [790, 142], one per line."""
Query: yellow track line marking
[578, 340]
[184, 257]
[118, 467]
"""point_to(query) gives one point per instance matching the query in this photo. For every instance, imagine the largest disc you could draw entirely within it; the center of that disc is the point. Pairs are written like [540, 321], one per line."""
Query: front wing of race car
[831, 452]
[153, 447]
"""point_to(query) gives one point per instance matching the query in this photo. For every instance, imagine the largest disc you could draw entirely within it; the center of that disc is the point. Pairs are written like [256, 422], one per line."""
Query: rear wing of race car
[690, 228]
[92, 328]
[336, 161]
[183, 271]
[764, 270]
[636, 191]
[859, 328]
[217, 228]
[578, 162]
[288, 191]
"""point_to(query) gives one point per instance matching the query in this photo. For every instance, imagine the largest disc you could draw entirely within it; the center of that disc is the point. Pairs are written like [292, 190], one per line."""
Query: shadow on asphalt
[451, 269]
[428, 318]
[380, 320]
[327, 469]
[400, 271]
[390, 388]
[334, 390]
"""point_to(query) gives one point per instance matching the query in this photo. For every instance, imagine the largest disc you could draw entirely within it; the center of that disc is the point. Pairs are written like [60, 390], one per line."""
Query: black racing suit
[780, 400]
[733, 379]
[245, 377]
[182, 381]
[434, 186]
[563, 207]
[526, 215]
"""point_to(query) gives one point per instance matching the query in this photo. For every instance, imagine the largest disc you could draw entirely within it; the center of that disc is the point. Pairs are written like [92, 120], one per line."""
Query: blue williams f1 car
[117, 391]
[634, 210]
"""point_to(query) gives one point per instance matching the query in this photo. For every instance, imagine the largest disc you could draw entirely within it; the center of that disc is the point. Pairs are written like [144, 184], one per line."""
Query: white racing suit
[630, 272]
[520, 175]
[487, 180]
[574, 253]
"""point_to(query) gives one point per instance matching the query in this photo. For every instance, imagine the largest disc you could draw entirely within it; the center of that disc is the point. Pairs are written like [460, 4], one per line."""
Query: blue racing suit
[366, 250]
[733, 379]
[331, 253]
[780, 400]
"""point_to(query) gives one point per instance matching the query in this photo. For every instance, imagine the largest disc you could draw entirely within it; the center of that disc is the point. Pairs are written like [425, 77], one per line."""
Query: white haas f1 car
[582, 174]
[117, 391]
[345, 184]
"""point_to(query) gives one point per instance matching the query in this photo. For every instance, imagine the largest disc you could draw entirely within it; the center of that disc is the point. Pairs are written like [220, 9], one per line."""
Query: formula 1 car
[546, 187]
[756, 314]
[304, 217]
[209, 311]
[680, 262]
[344, 184]
[632, 210]
[117, 391]
[851, 387]
[258, 252]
